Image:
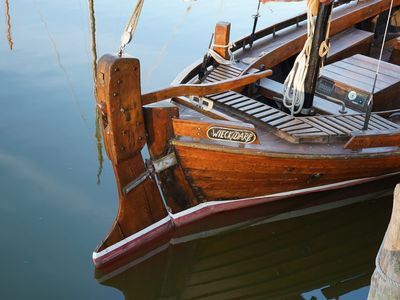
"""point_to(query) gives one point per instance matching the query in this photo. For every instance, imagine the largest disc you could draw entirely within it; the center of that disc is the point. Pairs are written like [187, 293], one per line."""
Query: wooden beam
[372, 139]
[203, 89]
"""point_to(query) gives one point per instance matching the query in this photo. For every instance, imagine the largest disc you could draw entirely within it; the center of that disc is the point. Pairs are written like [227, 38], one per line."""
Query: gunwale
[259, 151]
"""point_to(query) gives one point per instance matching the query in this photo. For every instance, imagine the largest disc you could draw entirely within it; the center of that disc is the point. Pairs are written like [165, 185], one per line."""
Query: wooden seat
[349, 42]
[222, 72]
[272, 89]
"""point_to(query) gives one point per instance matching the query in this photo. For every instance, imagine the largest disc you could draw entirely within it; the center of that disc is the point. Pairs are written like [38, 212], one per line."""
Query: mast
[320, 35]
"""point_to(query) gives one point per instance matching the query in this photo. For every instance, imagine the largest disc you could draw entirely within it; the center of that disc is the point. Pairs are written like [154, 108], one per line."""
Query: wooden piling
[385, 282]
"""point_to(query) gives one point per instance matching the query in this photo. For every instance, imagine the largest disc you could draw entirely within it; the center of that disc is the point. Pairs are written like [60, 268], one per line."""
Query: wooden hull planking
[219, 174]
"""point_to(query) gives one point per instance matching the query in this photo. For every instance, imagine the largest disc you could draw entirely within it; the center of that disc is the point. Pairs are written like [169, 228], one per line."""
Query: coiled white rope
[293, 90]
[218, 58]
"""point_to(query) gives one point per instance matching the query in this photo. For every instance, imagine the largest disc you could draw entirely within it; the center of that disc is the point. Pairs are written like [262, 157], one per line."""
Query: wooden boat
[219, 139]
[332, 251]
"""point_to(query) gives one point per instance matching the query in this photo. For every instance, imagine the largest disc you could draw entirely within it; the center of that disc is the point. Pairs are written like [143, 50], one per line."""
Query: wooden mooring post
[385, 282]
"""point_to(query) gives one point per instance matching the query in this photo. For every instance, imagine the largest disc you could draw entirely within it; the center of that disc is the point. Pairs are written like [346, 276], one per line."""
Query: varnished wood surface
[361, 140]
[197, 128]
[223, 173]
[349, 42]
[272, 51]
[203, 89]
[124, 134]
[221, 39]
[358, 73]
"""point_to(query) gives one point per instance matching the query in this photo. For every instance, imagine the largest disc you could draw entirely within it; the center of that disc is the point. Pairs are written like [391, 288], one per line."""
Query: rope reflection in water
[99, 143]
[9, 38]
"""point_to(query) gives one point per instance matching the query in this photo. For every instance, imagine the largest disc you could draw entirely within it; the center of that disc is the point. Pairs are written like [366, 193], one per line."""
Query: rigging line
[93, 49]
[9, 38]
[131, 27]
[371, 101]
[61, 66]
[167, 44]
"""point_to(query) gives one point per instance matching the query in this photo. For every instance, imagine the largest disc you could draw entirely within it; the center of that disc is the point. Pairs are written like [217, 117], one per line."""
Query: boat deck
[314, 129]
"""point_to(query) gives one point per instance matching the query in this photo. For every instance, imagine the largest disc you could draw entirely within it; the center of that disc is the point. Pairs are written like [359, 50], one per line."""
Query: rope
[218, 58]
[293, 90]
[370, 100]
[130, 27]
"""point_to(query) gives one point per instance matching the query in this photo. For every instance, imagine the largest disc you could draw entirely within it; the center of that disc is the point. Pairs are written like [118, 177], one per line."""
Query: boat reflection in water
[329, 249]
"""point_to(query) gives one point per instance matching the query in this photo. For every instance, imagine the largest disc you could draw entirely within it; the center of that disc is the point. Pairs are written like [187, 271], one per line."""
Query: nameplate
[231, 135]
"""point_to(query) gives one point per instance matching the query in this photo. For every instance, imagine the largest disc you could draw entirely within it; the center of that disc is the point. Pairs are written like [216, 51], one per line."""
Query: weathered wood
[373, 139]
[349, 42]
[213, 113]
[395, 57]
[385, 282]
[357, 74]
[203, 89]
[197, 129]
[118, 98]
[221, 38]
[320, 33]
[176, 189]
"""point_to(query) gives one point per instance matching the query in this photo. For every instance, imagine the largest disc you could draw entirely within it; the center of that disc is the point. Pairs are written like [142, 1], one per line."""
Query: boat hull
[225, 173]
[213, 217]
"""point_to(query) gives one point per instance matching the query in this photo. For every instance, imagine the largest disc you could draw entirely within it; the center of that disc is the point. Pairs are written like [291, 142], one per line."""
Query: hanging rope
[130, 27]
[293, 91]
[218, 58]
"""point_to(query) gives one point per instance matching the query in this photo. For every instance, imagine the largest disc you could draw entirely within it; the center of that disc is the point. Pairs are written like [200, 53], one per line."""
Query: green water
[52, 210]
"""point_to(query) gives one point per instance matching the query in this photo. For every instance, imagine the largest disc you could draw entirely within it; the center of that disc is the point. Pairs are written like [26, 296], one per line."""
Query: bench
[349, 42]
[272, 89]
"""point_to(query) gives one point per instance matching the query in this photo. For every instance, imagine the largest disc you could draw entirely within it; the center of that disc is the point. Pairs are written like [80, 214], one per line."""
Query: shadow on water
[322, 253]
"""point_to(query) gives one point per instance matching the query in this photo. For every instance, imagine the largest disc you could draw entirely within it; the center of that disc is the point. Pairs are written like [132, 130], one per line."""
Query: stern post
[124, 134]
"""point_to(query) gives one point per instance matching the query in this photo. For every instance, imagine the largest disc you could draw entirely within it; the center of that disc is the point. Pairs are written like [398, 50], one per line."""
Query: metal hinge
[152, 167]
[202, 103]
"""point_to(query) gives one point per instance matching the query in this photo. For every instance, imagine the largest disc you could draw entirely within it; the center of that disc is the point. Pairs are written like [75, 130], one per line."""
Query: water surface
[53, 212]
